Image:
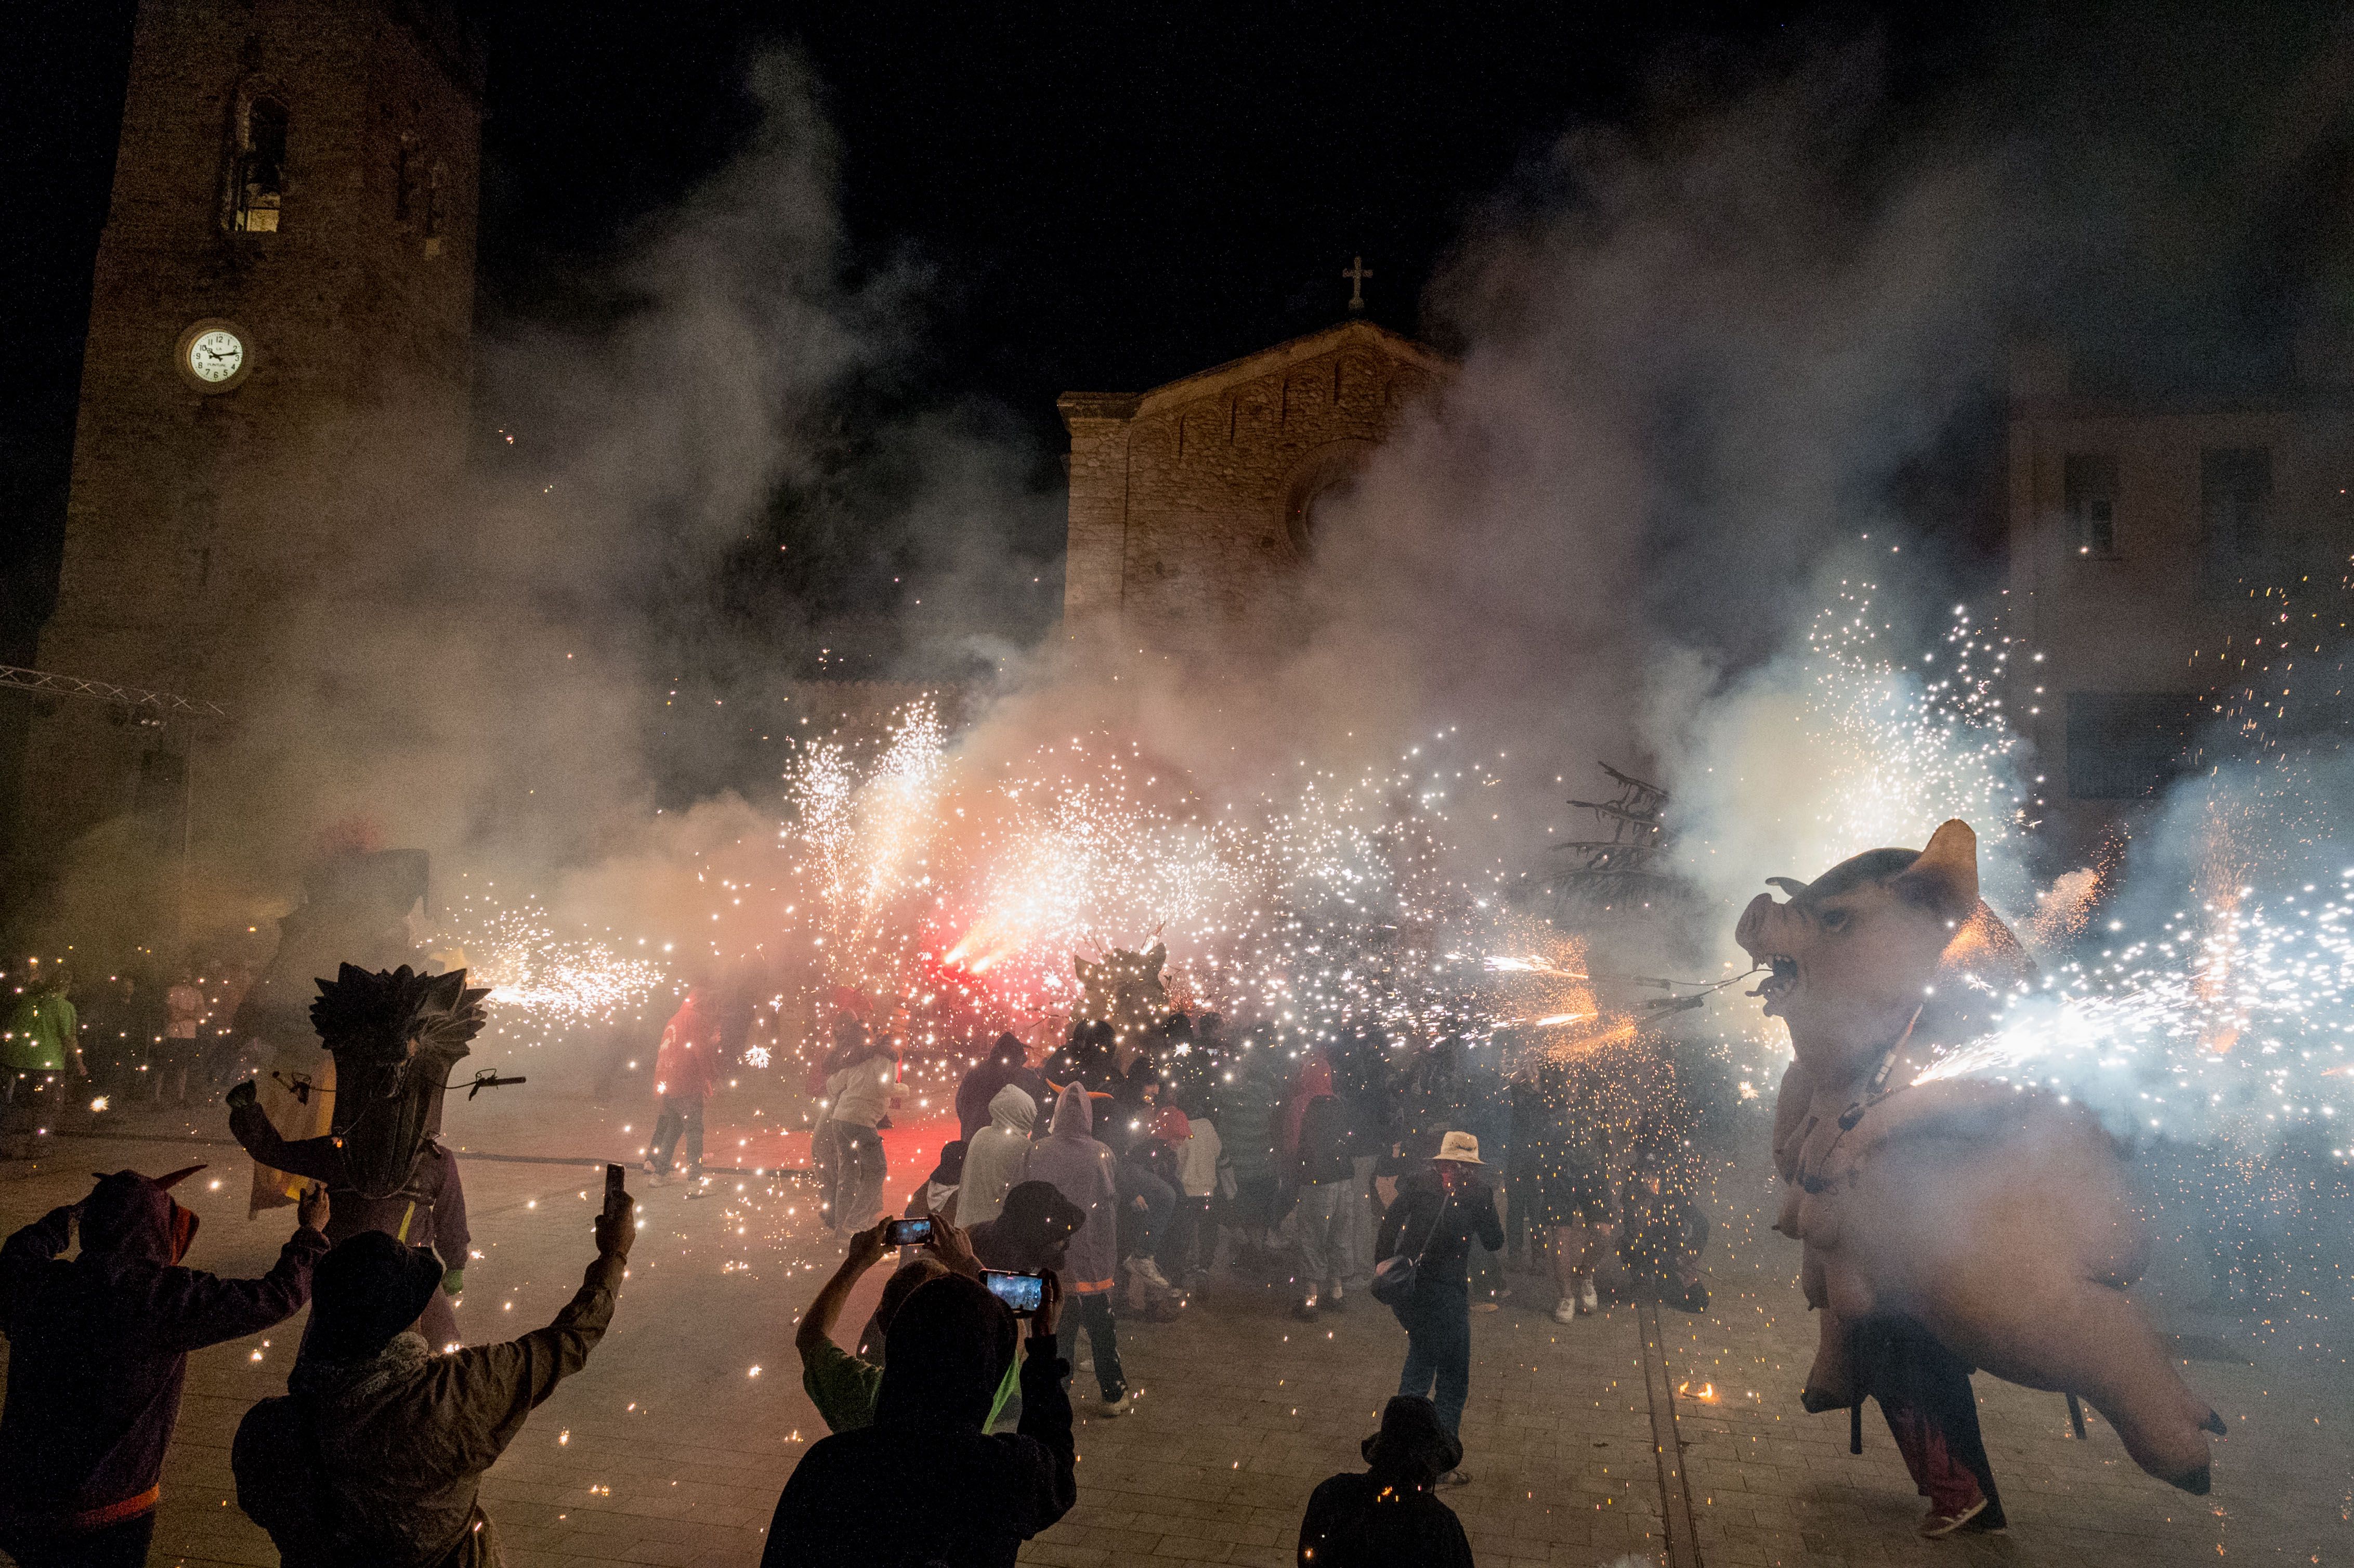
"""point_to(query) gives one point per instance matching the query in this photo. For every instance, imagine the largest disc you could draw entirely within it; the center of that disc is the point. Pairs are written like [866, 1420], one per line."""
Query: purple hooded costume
[98, 1347]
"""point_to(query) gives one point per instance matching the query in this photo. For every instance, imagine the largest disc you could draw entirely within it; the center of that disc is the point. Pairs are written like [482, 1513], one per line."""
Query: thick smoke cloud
[1693, 358]
[1706, 362]
[530, 665]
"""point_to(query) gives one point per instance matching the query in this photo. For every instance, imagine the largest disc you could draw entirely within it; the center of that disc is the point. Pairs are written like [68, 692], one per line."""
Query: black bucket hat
[1412, 1443]
[364, 1291]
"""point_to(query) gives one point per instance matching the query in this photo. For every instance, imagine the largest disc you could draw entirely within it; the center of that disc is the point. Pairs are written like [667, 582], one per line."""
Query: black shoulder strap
[1431, 1235]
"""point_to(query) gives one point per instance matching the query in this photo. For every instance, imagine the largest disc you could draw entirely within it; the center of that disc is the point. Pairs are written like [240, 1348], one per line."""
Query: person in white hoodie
[1192, 1244]
[993, 1156]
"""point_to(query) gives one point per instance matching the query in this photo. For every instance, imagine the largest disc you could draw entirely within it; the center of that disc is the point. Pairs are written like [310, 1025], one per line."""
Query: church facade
[280, 315]
[1192, 505]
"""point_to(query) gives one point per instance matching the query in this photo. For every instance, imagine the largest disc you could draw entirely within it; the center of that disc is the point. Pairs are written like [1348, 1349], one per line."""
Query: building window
[2123, 745]
[2235, 495]
[408, 168]
[2090, 482]
[258, 172]
[432, 219]
[417, 202]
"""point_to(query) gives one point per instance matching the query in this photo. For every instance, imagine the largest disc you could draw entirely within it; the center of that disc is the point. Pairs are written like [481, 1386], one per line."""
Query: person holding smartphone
[926, 1482]
[844, 1384]
[377, 1451]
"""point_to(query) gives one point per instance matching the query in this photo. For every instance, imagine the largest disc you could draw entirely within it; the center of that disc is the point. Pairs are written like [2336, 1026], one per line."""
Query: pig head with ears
[1993, 1214]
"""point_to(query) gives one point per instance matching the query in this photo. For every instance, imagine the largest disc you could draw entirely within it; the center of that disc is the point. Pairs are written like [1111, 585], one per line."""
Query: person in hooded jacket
[687, 1065]
[935, 1196]
[993, 1157]
[1250, 1093]
[98, 1348]
[926, 1483]
[1082, 1171]
[1387, 1515]
[1322, 1174]
[374, 1455]
[1008, 1063]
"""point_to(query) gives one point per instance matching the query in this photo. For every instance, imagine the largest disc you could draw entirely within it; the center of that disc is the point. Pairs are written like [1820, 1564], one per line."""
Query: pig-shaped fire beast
[1994, 1216]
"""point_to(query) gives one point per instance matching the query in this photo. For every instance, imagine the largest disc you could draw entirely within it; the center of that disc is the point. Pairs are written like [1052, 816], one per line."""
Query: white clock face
[215, 355]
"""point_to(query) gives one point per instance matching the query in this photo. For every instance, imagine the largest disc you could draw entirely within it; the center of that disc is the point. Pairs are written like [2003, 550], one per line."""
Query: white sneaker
[1120, 1406]
[1564, 1310]
[1152, 1271]
[1587, 1300]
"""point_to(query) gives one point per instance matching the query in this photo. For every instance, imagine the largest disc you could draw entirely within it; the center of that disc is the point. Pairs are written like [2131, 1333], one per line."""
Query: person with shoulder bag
[1445, 1205]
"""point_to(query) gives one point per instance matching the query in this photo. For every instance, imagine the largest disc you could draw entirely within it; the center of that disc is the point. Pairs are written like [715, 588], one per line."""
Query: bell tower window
[257, 174]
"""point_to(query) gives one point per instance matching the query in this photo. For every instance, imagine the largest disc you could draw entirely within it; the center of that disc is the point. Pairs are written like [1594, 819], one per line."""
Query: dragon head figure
[394, 1035]
[1122, 989]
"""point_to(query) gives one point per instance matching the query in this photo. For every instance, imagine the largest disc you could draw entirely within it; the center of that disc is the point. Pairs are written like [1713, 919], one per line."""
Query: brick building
[1188, 504]
[2152, 541]
[278, 350]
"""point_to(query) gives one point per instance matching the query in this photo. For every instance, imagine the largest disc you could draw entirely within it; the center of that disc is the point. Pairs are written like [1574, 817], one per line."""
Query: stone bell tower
[279, 328]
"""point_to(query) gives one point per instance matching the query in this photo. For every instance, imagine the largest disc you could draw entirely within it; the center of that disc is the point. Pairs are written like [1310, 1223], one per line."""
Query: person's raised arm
[496, 1387]
[954, 1248]
[320, 1159]
[26, 1258]
[197, 1309]
[817, 1323]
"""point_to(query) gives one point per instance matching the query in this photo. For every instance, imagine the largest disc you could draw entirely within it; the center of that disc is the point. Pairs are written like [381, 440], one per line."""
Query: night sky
[1107, 197]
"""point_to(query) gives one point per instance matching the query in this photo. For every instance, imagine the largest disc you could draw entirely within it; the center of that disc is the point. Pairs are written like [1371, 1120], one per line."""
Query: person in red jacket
[684, 1069]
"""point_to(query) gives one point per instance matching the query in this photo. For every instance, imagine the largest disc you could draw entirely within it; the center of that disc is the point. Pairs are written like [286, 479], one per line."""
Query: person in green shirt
[42, 1032]
[39, 1044]
[842, 1384]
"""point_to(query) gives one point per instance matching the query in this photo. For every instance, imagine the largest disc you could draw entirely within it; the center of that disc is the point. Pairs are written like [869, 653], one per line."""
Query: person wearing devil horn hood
[396, 1036]
[98, 1348]
[1082, 1169]
[926, 1484]
[373, 1457]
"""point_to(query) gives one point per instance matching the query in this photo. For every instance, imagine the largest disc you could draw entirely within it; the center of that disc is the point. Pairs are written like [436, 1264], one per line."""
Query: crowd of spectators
[1118, 1174]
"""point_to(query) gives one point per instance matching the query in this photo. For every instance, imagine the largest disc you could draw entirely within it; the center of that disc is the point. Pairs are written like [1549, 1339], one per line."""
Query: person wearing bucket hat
[98, 1348]
[1386, 1516]
[374, 1453]
[1438, 1211]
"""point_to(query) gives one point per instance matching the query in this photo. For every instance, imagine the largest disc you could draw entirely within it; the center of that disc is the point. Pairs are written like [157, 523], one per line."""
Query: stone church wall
[1191, 505]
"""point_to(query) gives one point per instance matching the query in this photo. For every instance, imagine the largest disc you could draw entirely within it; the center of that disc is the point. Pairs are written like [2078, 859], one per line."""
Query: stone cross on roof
[1357, 272]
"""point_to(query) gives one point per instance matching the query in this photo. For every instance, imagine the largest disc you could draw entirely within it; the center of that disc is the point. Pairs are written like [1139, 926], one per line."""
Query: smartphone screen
[612, 1180]
[907, 1233]
[1022, 1293]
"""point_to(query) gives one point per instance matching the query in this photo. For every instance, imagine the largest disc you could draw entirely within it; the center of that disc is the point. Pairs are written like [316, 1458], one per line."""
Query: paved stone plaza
[671, 1446]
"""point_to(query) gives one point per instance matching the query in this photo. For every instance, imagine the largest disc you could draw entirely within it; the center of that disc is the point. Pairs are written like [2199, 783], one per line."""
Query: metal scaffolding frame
[150, 708]
[42, 682]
